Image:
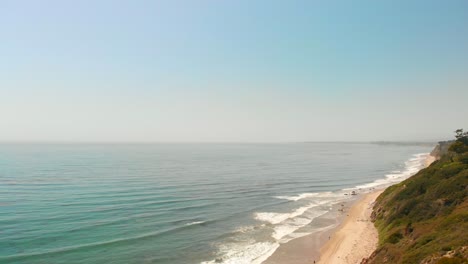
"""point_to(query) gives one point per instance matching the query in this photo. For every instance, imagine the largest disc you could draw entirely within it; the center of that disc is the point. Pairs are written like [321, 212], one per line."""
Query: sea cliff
[441, 149]
[424, 219]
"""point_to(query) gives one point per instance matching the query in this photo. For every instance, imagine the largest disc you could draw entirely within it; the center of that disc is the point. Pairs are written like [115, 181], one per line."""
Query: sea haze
[179, 203]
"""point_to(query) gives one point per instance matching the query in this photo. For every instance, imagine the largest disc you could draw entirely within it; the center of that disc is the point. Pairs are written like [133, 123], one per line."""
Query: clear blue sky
[250, 71]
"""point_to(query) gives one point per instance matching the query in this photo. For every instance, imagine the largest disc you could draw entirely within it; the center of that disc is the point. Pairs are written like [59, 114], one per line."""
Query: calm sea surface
[179, 203]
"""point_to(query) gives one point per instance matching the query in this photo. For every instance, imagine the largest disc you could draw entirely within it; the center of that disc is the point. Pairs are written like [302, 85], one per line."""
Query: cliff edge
[441, 149]
[424, 219]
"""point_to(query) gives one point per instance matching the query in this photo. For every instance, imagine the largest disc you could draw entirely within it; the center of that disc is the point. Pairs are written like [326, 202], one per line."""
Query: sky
[232, 71]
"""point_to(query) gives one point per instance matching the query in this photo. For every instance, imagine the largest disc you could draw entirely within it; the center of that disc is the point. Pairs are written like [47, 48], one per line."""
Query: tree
[461, 144]
[461, 136]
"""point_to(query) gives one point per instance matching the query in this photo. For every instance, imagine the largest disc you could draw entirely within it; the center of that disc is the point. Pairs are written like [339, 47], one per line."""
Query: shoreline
[356, 238]
[350, 239]
[306, 249]
[310, 248]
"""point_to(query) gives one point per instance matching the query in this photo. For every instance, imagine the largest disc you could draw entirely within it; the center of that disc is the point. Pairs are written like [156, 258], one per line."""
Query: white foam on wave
[412, 166]
[276, 218]
[304, 196]
[283, 233]
[285, 225]
[195, 223]
[244, 229]
[297, 197]
[245, 253]
[284, 230]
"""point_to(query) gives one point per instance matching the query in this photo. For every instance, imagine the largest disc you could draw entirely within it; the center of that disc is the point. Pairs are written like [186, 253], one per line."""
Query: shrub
[453, 260]
[394, 238]
[458, 147]
[426, 214]
[463, 158]
[446, 248]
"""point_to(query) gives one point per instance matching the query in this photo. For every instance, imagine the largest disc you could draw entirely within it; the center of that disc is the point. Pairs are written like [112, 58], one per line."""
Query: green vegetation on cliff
[424, 219]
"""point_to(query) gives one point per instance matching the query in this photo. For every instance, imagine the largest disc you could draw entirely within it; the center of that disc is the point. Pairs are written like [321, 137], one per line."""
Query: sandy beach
[356, 238]
[352, 237]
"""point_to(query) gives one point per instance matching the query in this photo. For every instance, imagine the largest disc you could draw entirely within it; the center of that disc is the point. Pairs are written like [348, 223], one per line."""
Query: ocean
[180, 203]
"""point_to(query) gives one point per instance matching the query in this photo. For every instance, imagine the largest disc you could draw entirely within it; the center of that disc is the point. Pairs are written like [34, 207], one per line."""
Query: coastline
[323, 246]
[356, 238]
[350, 239]
[306, 249]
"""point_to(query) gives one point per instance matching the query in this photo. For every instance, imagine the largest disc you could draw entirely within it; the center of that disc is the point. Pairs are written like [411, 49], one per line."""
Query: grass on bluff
[426, 216]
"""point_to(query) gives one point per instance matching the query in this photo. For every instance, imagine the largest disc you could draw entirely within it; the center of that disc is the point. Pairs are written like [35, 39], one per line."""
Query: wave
[248, 252]
[89, 245]
[104, 243]
[195, 223]
[276, 218]
[297, 197]
[412, 166]
[282, 232]
[281, 226]
[284, 226]
[301, 196]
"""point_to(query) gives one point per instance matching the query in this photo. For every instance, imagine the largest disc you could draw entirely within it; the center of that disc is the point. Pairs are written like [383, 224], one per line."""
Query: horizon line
[65, 142]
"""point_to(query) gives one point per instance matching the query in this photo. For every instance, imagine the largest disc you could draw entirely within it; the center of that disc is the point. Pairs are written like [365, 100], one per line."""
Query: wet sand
[352, 237]
[309, 248]
[356, 238]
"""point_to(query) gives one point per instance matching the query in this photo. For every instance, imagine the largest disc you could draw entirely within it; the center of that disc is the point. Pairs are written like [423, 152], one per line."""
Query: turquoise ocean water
[179, 203]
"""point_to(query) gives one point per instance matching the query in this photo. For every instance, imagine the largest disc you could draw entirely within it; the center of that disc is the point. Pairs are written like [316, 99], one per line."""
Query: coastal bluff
[424, 219]
[441, 149]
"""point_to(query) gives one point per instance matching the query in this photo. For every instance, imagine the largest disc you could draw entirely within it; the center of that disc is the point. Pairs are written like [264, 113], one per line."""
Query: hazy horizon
[382, 142]
[233, 71]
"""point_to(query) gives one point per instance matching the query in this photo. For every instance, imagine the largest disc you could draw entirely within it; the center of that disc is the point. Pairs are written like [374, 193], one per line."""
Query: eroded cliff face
[441, 148]
[424, 219]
